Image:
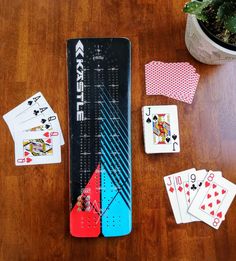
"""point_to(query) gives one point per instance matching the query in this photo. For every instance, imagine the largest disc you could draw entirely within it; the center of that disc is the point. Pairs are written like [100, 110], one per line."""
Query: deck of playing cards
[161, 129]
[175, 80]
[36, 131]
[199, 195]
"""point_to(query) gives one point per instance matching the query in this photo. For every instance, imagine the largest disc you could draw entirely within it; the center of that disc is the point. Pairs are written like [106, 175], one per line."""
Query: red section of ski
[86, 223]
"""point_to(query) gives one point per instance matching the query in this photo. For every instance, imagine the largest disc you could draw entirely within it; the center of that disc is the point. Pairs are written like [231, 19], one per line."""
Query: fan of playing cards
[36, 131]
[199, 196]
[175, 80]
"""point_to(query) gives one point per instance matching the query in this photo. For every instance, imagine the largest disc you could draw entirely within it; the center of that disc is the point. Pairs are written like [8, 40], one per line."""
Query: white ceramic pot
[202, 48]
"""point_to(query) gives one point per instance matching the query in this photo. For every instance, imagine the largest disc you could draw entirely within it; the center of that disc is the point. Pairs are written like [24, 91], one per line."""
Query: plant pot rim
[218, 44]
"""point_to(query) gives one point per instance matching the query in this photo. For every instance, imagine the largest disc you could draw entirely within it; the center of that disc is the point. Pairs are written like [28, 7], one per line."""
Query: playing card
[182, 193]
[213, 200]
[41, 124]
[161, 129]
[37, 147]
[33, 103]
[171, 191]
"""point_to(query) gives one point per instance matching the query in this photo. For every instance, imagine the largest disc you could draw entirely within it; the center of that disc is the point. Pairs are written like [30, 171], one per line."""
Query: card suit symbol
[171, 190]
[203, 207]
[210, 205]
[216, 193]
[207, 184]
[36, 112]
[30, 102]
[188, 193]
[186, 185]
[174, 136]
[46, 134]
[26, 153]
[212, 212]
[43, 120]
[219, 215]
[48, 140]
[155, 118]
[208, 195]
[168, 139]
[214, 186]
[28, 160]
[47, 126]
[193, 187]
[223, 191]
[218, 201]
[200, 184]
[148, 120]
[180, 189]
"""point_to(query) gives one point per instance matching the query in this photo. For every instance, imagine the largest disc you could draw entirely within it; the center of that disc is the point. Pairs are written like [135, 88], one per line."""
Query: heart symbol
[203, 207]
[223, 191]
[208, 195]
[43, 120]
[148, 120]
[219, 215]
[49, 141]
[210, 205]
[26, 153]
[214, 186]
[216, 193]
[28, 160]
[30, 102]
[174, 137]
[167, 139]
[212, 212]
[218, 201]
[46, 134]
[207, 184]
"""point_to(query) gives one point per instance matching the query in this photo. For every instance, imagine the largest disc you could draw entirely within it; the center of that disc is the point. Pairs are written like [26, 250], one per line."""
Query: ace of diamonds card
[161, 129]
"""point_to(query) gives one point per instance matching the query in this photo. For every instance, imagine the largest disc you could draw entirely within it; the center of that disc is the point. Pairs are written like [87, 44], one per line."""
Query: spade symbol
[43, 120]
[155, 118]
[148, 120]
[30, 102]
[36, 112]
[47, 126]
[200, 184]
[174, 137]
[167, 139]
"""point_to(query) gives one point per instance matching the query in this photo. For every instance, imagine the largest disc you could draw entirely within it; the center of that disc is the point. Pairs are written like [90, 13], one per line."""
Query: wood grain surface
[34, 201]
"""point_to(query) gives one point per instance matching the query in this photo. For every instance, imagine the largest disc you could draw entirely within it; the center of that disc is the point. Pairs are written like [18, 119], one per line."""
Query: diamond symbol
[171, 189]
[186, 185]
[180, 188]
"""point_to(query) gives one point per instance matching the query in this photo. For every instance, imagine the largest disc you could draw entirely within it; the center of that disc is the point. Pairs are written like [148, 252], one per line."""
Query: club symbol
[149, 112]
[193, 187]
[174, 136]
[148, 120]
[30, 102]
[155, 118]
[36, 112]
[168, 139]
[43, 120]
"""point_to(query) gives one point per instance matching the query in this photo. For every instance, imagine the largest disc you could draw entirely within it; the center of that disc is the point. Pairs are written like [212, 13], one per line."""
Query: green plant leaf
[196, 8]
[226, 10]
[230, 24]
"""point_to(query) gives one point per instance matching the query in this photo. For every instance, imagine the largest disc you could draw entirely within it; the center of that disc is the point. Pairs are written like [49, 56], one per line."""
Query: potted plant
[210, 34]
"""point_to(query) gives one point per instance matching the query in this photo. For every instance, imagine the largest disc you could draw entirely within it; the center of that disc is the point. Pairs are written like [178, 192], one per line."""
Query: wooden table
[34, 204]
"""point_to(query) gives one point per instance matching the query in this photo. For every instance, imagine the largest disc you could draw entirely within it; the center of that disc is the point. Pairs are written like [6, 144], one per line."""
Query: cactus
[219, 16]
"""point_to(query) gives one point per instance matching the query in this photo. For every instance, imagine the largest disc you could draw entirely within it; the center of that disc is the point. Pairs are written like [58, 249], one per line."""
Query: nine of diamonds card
[161, 129]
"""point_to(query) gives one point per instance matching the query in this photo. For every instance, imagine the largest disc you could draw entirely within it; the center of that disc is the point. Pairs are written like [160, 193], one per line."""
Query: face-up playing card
[32, 104]
[161, 129]
[171, 191]
[213, 200]
[41, 124]
[37, 147]
[182, 193]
